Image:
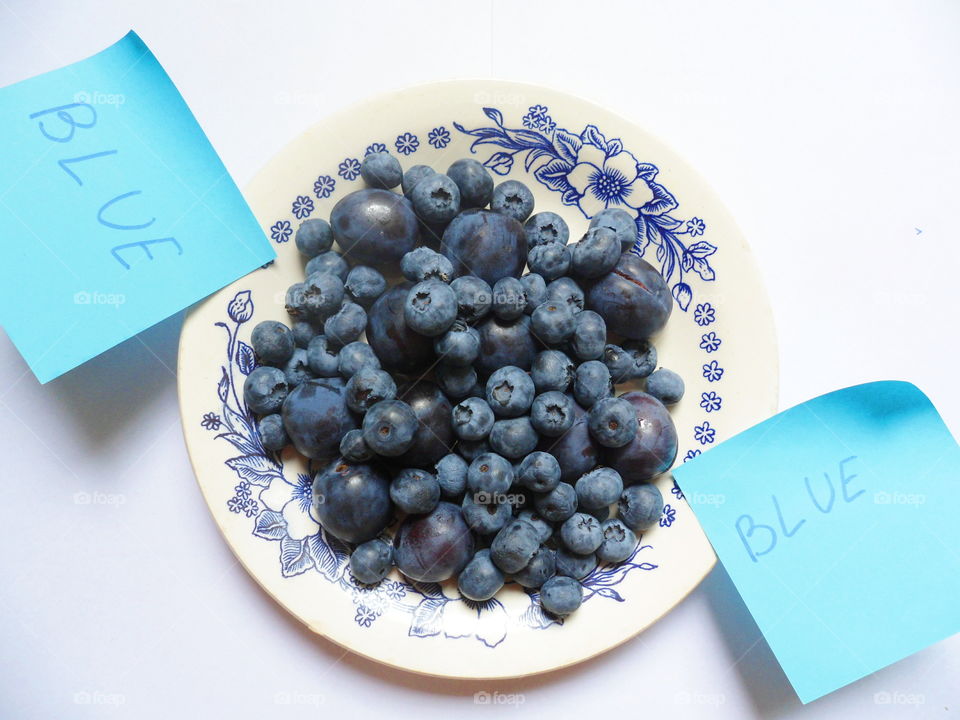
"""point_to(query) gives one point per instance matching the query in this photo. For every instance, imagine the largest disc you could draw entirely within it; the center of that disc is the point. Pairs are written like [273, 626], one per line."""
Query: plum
[654, 448]
[434, 437]
[352, 501]
[434, 547]
[505, 343]
[486, 244]
[633, 299]
[316, 416]
[399, 348]
[575, 450]
[374, 227]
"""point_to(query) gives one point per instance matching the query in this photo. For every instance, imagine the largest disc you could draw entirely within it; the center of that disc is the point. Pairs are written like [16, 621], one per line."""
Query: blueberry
[265, 389]
[654, 448]
[621, 222]
[546, 227]
[505, 343]
[352, 501]
[666, 386]
[553, 322]
[456, 380]
[316, 416]
[272, 433]
[303, 333]
[434, 436]
[509, 298]
[509, 391]
[354, 448]
[535, 288]
[599, 487]
[460, 345]
[272, 343]
[474, 297]
[596, 254]
[451, 472]
[472, 449]
[573, 565]
[415, 491]
[644, 358]
[558, 504]
[513, 437]
[472, 419]
[634, 300]
[389, 427]
[370, 562]
[591, 382]
[618, 544]
[581, 533]
[294, 300]
[552, 413]
[368, 386]
[589, 336]
[561, 595]
[491, 475]
[430, 308]
[474, 181]
[575, 450]
[542, 567]
[543, 528]
[512, 198]
[313, 237]
[619, 362]
[414, 175]
[552, 370]
[374, 227]
[485, 518]
[328, 263]
[480, 580]
[422, 263]
[566, 290]
[297, 369]
[322, 296]
[550, 260]
[514, 545]
[612, 422]
[354, 356]
[364, 285]
[436, 198]
[322, 358]
[346, 325]
[602, 513]
[381, 170]
[434, 547]
[640, 506]
[486, 244]
[399, 347]
[539, 472]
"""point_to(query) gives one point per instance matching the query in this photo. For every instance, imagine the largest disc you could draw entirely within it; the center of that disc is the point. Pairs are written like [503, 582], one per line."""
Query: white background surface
[831, 131]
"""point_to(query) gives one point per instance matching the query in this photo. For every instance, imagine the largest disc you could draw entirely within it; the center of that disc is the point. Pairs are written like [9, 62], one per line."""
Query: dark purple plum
[505, 343]
[352, 501]
[434, 547]
[633, 299]
[575, 450]
[315, 416]
[486, 244]
[654, 448]
[374, 227]
[399, 348]
[434, 437]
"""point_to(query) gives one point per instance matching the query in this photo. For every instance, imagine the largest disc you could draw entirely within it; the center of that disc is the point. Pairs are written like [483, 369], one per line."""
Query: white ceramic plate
[575, 156]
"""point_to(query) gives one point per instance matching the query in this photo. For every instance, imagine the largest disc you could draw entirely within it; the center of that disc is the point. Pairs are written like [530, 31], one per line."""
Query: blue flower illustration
[395, 590]
[349, 169]
[324, 186]
[365, 616]
[712, 371]
[376, 147]
[280, 231]
[676, 491]
[240, 308]
[537, 119]
[696, 226]
[691, 454]
[710, 401]
[439, 137]
[211, 421]
[669, 515]
[704, 314]
[407, 143]
[293, 501]
[710, 342]
[242, 490]
[302, 207]
[704, 434]
[235, 504]
[251, 507]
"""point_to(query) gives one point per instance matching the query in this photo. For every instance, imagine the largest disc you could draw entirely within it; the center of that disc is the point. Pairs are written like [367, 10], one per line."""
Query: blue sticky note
[839, 522]
[115, 211]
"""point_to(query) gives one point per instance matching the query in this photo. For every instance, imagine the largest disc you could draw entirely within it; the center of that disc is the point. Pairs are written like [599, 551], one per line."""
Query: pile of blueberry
[480, 411]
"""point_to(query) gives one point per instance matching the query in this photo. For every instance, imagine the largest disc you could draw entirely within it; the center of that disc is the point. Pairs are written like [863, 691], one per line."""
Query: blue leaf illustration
[554, 175]
[500, 163]
[614, 146]
[494, 115]
[567, 145]
[270, 525]
[663, 201]
[223, 385]
[646, 566]
[701, 266]
[255, 469]
[326, 559]
[682, 294]
[701, 249]
[666, 222]
[591, 134]
[294, 558]
[609, 592]
[535, 617]
[245, 359]
[427, 619]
